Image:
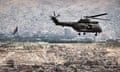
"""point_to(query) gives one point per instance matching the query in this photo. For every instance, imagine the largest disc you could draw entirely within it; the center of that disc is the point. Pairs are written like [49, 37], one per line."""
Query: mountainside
[83, 57]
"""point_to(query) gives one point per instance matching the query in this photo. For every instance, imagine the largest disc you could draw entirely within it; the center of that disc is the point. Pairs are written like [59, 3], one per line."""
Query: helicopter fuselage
[82, 27]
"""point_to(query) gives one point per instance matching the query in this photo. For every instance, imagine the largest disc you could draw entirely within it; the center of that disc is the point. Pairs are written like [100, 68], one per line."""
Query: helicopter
[83, 25]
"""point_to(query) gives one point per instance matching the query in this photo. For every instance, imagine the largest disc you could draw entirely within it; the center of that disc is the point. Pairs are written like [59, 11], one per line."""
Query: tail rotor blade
[58, 15]
[54, 13]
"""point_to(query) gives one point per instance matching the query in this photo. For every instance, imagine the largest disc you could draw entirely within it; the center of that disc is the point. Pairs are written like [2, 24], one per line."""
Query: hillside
[85, 57]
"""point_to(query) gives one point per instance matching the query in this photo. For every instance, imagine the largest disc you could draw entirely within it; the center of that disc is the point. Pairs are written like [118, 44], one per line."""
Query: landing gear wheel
[79, 34]
[84, 33]
[95, 34]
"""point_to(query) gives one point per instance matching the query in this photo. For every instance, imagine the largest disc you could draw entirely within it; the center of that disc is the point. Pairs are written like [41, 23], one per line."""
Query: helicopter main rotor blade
[96, 15]
[101, 19]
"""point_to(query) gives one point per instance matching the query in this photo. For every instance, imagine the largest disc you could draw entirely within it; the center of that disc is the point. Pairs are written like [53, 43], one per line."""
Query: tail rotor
[54, 14]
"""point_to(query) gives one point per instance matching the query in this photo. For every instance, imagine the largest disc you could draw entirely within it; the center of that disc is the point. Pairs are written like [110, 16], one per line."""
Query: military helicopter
[83, 25]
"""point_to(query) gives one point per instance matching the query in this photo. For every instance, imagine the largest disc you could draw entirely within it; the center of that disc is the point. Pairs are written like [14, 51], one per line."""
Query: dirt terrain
[83, 57]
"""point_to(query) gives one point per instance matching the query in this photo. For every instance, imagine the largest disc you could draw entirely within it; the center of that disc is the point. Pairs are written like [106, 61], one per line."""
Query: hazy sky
[32, 16]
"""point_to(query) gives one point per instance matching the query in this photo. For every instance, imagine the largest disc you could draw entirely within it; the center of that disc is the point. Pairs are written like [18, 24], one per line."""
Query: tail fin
[54, 18]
